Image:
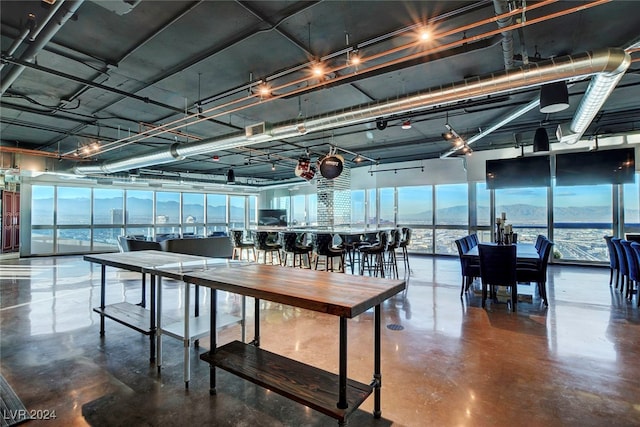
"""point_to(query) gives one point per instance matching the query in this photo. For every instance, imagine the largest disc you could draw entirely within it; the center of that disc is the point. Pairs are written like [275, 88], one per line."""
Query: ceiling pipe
[501, 7]
[46, 34]
[610, 62]
[32, 29]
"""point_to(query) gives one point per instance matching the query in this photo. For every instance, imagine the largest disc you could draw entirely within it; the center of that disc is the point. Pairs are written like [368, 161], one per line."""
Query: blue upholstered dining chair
[635, 247]
[498, 268]
[623, 266]
[613, 260]
[633, 269]
[537, 271]
[469, 268]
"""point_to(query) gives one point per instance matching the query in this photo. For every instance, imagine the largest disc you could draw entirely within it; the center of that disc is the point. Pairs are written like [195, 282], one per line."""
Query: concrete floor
[451, 363]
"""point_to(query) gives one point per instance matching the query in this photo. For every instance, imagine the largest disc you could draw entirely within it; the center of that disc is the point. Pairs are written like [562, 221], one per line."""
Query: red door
[10, 221]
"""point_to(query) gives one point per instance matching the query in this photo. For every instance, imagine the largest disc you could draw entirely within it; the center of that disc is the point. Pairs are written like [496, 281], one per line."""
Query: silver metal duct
[502, 7]
[609, 62]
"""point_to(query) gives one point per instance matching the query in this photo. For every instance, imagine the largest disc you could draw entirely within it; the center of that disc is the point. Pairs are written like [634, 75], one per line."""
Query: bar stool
[391, 262]
[240, 244]
[323, 247]
[264, 243]
[405, 241]
[350, 244]
[373, 256]
[292, 245]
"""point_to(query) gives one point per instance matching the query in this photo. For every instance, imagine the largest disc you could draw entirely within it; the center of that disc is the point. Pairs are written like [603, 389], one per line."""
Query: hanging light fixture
[406, 124]
[554, 97]
[231, 177]
[540, 140]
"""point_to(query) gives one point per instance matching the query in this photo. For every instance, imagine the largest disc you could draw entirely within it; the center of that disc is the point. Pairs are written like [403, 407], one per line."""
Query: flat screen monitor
[596, 167]
[272, 217]
[534, 171]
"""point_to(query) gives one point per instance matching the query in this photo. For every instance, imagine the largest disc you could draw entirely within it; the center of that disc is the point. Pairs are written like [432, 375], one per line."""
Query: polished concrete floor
[445, 362]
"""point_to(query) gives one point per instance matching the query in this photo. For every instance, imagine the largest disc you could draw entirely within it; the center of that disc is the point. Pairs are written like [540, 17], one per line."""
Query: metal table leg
[377, 375]
[103, 285]
[214, 344]
[159, 323]
[342, 381]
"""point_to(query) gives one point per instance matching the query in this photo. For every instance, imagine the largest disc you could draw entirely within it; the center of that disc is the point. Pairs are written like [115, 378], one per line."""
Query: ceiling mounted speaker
[331, 166]
[554, 97]
[540, 140]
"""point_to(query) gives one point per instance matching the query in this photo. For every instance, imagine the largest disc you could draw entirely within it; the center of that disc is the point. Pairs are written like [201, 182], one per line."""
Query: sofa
[213, 247]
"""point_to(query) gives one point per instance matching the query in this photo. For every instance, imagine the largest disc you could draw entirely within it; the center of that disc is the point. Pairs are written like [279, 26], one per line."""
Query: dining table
[524, 252]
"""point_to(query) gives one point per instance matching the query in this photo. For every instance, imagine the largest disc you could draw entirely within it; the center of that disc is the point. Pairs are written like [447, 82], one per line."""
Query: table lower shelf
[311, 386]
[128, 314]
[199, 326]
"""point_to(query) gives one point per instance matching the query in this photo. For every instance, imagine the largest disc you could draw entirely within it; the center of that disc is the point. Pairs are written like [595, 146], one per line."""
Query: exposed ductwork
[502, 7]
[607, 65]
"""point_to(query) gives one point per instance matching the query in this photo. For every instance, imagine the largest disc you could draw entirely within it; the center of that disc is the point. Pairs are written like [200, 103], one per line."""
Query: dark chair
[498, 268]
[350, 242]
[469, 269]
[240, 244]
[623, 267]
[391, 261]
[373, 256]
[613, 260]
[537, 271]
[266, 244]
[474, 240]
[292, 245]
[632, 268]
[539, 240]
[323, 247]
[635, 247]
[405, 241]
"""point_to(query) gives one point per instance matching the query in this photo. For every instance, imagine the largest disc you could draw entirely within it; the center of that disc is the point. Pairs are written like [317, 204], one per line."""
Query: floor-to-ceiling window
[484, 223]
[73, 219]
[42, 219]
[167, 214]
[237, 211]
[415, 210]
[452, 216]
[387, 214]
[582, 215]
[357, 208]
[216, 213]
[525, 209]
[193, 213]
[108, 217]
[631, 197]
[298, 214]
[139, 211]
[84, 219]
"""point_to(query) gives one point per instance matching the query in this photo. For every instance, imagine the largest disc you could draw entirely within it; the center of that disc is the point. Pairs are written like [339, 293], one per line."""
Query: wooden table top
[338, 294]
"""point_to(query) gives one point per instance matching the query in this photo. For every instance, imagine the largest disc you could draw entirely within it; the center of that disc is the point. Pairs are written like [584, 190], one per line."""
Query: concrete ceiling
[142, 77]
